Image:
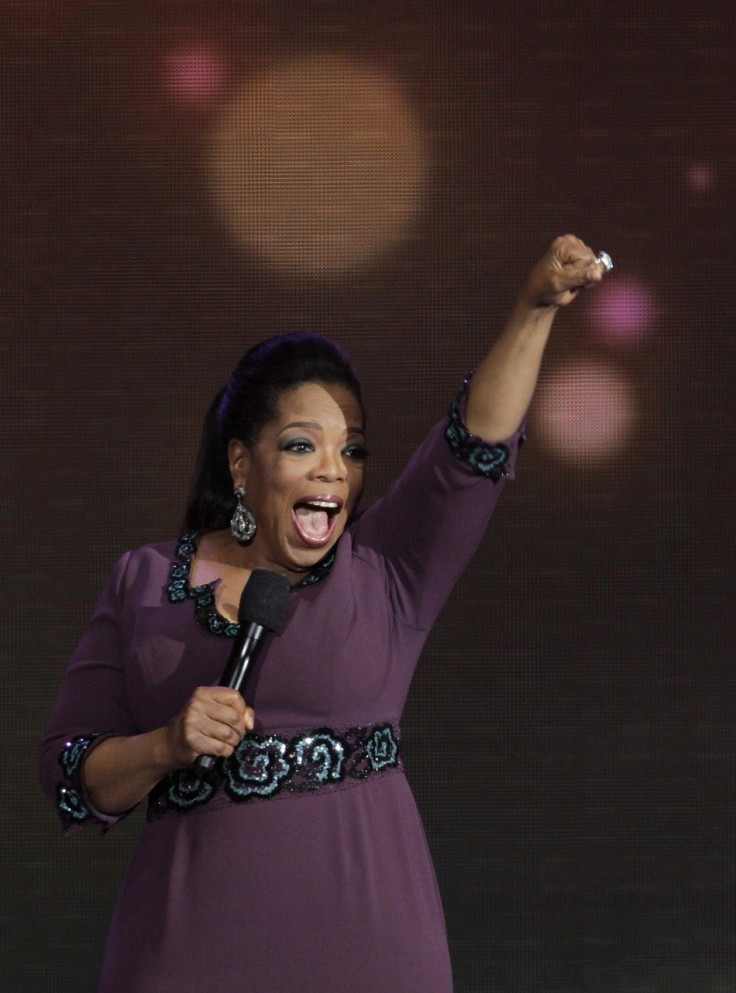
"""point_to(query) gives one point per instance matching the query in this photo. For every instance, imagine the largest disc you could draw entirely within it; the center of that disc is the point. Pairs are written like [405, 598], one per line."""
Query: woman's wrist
[532, 317]
[163, 753]
[123, 770]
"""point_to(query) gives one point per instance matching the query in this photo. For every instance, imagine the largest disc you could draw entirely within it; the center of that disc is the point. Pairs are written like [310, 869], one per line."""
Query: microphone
[262, 608]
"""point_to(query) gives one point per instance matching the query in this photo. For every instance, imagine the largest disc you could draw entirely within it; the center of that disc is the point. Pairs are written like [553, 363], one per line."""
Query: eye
[358, 453]
[300, 446]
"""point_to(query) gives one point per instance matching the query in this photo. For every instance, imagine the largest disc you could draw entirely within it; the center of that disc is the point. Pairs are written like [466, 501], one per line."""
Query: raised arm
[503, 384]
[430, 522]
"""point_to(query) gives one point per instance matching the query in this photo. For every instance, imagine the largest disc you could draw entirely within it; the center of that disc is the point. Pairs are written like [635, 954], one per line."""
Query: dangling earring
[242, 523]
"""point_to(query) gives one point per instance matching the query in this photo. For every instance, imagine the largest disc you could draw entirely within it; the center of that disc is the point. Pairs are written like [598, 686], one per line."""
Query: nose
[331, 467]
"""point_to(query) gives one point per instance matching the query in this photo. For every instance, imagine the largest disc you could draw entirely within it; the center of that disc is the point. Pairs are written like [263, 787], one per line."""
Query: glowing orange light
[318, 164]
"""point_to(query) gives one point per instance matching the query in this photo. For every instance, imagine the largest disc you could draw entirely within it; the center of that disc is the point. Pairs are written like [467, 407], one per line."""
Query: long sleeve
[431, 521]
[90, 706]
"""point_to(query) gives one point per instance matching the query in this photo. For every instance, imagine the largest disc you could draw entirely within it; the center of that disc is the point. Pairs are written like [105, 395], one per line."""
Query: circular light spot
[195, 75]
[585, 412]
[318, 164]
[624, 310]
[701, 177]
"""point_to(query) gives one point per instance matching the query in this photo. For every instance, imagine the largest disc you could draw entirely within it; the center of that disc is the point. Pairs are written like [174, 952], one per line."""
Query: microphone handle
[204, 763]
[241, 656]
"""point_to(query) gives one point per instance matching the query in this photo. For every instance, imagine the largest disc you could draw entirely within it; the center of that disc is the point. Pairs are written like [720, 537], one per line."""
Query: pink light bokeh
[195, 75]
[625, 310]
[586, 412]
[701, 177]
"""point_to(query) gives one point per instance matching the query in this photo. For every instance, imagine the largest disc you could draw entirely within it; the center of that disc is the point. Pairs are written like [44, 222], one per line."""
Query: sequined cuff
[71, 797]
[483, 458]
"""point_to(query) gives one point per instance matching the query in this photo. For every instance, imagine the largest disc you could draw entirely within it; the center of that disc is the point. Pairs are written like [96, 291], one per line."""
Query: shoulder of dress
[154, 550]
[355, 519]
[147, 561]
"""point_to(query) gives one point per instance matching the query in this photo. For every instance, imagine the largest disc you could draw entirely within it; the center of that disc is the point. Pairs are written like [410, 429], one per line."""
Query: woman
[301, 864]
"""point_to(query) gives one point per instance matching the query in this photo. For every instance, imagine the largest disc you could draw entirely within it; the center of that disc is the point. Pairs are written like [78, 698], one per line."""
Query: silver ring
[605, 260]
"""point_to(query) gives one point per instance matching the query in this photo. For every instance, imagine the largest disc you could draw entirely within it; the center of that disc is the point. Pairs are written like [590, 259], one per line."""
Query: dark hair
[247, 403]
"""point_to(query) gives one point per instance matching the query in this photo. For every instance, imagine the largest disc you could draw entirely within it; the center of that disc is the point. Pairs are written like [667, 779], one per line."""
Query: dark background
[570, 733]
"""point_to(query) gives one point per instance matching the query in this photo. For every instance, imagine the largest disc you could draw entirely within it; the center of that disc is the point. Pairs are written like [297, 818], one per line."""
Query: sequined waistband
[263, 767]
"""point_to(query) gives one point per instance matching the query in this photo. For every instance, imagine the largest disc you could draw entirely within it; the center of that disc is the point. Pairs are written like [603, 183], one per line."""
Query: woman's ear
[238, 456]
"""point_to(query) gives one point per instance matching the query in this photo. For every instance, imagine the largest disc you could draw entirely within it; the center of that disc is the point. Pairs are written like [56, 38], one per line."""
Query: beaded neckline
[205, 610]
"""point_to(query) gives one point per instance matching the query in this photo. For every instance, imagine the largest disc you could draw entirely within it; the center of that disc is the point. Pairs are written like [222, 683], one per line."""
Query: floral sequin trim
[483, 458]
[69, 793]
[267, 766]
[205, 611]
[318, 573]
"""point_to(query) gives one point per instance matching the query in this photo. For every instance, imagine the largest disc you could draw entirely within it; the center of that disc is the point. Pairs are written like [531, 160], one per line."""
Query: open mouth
[315, 520]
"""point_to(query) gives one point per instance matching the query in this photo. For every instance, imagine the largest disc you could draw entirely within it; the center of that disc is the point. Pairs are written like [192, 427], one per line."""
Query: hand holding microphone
[217, 712]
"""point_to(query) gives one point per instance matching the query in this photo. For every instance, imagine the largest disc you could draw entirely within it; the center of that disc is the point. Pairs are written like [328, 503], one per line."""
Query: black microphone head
[264, 600]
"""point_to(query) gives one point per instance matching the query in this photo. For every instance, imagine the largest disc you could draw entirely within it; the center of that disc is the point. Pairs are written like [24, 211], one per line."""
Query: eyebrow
[314, 426]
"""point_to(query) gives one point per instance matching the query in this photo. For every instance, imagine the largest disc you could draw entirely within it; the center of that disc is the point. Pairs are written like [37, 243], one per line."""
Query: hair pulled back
[248, 402]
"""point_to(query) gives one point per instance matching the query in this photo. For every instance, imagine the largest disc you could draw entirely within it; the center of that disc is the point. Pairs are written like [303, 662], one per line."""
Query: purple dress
[302, 866]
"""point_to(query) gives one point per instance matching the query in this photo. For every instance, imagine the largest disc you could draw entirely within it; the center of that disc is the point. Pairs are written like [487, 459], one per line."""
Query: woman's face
[303, 477]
